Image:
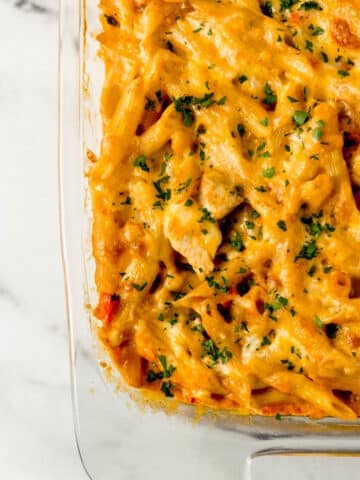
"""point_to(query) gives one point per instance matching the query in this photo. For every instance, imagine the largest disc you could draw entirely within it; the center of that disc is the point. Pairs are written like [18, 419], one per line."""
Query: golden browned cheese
[226, 202]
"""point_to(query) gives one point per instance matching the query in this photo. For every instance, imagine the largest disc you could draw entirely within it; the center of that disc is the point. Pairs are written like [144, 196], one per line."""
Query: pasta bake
[226, 196]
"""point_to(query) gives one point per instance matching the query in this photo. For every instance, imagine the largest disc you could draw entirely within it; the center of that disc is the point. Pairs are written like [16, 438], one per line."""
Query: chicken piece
[192, 232]
[219, 194]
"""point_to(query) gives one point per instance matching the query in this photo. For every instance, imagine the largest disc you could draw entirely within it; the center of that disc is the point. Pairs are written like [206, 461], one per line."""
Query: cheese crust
[226, 228]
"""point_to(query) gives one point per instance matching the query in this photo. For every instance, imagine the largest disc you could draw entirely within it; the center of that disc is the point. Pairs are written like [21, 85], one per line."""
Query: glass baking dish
[117, 437]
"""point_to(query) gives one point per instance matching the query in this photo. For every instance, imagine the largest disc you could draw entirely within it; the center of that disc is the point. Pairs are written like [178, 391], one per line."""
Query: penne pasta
[226, 229]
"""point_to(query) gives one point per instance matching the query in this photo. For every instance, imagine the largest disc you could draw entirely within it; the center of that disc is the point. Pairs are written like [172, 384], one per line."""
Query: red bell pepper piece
[108, 307]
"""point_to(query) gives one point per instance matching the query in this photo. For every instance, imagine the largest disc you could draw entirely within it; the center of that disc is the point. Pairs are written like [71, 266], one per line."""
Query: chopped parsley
[249, 225]
[318, 322]
[184, 185]
[318, 133]
[271, 308]
[188, 202]
[264, 121]
[167, 388]
[221, 101]
[182, 105]
[152, 376]
[243, 78]
[282, 225]
[238, 189]
[140, 162]
[292, 99]
[311, 271]
[265, 341]
[316, 31]
[244, 326]
[261, 147]
[343, 73]
[310, 6]
[216, 286]
[267, 9]
[162, 194]
[214, 353]
[241, 129]
[206, 216]
[308, 251]
[237, 242]
[150, 104]
[327, 269]
[275, 306]
[324, 57]
[127, 201]
[270, 96]
[282, 300]
[185, 105]
[287, 4]
[139, 287]
[309, 46]
[268, 172]
[168, 370]
[300, 117]
[315, 228]
[178, 295]
[289, 365]
[174, 319]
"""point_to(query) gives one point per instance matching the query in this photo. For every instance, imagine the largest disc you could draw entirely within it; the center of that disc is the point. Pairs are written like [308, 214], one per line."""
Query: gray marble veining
[46, 7]
[36, 434]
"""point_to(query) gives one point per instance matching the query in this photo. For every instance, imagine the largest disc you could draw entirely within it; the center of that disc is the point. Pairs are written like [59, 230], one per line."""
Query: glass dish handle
[321, 459]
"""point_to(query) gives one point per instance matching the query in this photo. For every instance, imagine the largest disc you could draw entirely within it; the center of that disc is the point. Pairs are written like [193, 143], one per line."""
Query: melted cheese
[226, 231]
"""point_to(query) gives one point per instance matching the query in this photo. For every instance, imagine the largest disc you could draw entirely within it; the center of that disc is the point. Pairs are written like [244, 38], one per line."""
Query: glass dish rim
[66, 109]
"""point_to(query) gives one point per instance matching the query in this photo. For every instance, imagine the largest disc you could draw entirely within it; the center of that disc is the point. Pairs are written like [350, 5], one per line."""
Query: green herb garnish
[310, 6]
[268, 172]
[140, 162]
[168, 370]
[237, 242]
[167, 388]
[270, 96]
[282, 225]
[318, 322]
[308, 251]
[300, 117]
[139, 287]
[215, 353]
[206, 216]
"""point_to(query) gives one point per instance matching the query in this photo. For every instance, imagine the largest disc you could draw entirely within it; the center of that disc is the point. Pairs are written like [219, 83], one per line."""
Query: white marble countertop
[36, 432]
